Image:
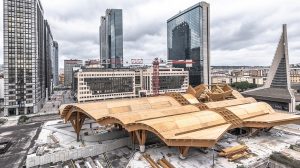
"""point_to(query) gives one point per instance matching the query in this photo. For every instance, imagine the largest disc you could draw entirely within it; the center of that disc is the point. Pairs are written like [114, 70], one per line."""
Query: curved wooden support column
[77, 123]
[183, 151]
[141, 137]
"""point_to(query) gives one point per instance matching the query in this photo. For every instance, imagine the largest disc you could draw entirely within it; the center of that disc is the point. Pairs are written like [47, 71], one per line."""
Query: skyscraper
[111, 39]
[23, 56]
[188, 38]
[48, 42]
[28, 50]
[55, 64]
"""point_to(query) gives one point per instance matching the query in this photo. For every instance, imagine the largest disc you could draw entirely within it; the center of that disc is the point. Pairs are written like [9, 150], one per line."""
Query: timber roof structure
[198, 118]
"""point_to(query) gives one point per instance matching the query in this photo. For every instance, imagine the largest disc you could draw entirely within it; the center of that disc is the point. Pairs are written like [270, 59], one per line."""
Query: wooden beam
[141, 136]
[73, 124]
[144, 136]
[132, 137]
[77, 123]
[137, 133]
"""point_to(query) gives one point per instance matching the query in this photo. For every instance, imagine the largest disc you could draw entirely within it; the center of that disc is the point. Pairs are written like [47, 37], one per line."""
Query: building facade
[24, 77]
[48, 48]
[1, 87]
[99, 84]
[295, 75]
[55, 64]
[255, 76]
[68, 70]
[188, 38]
[61, 79]
[111, 39]
[92, 63]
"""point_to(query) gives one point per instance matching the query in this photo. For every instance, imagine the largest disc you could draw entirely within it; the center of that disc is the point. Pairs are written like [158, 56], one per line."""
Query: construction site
[208, 126]
[205, 126]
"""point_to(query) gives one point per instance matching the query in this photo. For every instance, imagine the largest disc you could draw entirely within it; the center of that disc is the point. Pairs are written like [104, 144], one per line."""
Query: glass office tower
[188, 39]
[111, 39]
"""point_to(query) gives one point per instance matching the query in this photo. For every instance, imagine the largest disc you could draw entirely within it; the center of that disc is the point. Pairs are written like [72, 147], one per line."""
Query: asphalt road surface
[22, 138]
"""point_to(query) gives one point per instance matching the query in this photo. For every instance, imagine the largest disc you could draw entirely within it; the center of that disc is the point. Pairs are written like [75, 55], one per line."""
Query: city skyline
[145, 33]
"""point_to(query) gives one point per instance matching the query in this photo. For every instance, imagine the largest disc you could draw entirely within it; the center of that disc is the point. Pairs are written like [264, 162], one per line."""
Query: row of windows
[20, 25]
[13, 53]
[20, 15]
[12, 46]
[20, 20]
[15, 103]
[14, 92]
[83, 88]
[106, 74]
[19, 31]
[21, 81]
[11, 87]
[26, 42]
[18, 6]
[106, 95]
[20, 34]
[20, 65]
[85, 92]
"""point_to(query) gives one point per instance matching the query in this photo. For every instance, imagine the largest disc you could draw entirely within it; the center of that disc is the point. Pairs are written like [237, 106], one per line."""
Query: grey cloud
[242, 32]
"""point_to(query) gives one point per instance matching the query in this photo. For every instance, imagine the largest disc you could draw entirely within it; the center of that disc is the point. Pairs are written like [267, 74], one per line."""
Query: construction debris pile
[235, 152]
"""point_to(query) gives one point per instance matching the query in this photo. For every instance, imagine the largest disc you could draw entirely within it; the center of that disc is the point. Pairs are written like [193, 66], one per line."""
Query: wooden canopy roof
[179, 119]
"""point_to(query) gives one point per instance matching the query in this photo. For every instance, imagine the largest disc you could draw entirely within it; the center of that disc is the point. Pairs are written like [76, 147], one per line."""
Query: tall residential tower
[26, 56]
[189, 39]
[23, 56]
[111, 39]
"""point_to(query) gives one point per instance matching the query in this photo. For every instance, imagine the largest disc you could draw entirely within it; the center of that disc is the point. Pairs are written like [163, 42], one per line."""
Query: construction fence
[64, 155]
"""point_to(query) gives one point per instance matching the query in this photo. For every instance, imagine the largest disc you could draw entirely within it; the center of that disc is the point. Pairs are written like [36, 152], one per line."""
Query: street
[57, 99]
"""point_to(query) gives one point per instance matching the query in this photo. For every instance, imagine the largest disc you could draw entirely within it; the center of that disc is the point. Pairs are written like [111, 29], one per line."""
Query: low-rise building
[251, 76]
[98, 84]
[295, 75]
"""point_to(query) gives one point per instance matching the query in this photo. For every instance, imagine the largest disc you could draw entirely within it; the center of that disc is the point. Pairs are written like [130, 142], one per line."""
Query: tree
[298, 107]
[244, 85]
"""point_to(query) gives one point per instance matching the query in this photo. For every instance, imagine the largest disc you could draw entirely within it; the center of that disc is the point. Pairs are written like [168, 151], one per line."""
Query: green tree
[244, 85]
[298, 107]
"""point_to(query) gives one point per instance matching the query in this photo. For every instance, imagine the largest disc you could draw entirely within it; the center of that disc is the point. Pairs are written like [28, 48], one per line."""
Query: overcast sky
[243, 32]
